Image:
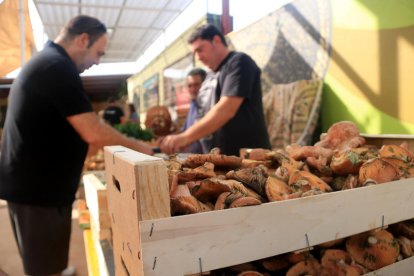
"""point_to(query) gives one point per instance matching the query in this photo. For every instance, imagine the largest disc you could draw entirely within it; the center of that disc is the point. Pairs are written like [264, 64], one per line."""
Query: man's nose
[199, 56]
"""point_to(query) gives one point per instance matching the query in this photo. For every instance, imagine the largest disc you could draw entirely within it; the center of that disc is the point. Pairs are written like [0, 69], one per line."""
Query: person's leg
[43, 236]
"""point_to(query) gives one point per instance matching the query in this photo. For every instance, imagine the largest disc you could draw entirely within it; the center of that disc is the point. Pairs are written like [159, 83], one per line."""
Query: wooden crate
[147, 241]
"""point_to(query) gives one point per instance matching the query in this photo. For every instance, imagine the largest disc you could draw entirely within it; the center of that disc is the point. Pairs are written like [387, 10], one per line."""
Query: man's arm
[94, 131]
[217, 116]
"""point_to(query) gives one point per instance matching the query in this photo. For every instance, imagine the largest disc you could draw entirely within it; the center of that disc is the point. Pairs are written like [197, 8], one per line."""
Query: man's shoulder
[239, 55]
[52, 53]
[51, 60]
[239, 60]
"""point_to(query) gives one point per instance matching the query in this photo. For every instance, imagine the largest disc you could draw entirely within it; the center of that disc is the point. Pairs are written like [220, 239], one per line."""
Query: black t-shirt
[113, 114]
[42, 155]
[238, 75]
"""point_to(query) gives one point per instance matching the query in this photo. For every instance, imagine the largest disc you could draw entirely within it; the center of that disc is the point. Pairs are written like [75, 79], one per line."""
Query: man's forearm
[99, 134]
[110, 136]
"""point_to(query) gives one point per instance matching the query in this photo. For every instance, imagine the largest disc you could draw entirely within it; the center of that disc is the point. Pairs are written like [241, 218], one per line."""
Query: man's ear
[216, 40]
[82, 40]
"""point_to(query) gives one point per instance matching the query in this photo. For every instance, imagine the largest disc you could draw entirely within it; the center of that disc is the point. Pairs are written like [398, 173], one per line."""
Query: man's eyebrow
[198, 48]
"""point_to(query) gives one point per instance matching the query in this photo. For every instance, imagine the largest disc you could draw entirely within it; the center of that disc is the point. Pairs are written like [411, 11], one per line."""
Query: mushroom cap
[373, 249]
[395, 151]
[378, 170]
[307, 267]
[276, 189]
[276, 263]
[308, 181]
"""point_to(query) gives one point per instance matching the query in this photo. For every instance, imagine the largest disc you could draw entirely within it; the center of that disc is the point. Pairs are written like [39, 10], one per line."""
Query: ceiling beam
[119, 27]
[85, 5]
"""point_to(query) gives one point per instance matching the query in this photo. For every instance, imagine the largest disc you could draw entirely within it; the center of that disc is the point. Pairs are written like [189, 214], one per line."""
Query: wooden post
[225, 18]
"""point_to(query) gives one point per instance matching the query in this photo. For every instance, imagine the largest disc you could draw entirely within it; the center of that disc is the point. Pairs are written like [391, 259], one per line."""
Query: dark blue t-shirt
[194, 147]
[42, 155]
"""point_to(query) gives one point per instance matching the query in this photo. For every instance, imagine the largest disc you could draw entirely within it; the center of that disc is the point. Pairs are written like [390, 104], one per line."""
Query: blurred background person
[113, 114]
[194, 81]
[133, 114]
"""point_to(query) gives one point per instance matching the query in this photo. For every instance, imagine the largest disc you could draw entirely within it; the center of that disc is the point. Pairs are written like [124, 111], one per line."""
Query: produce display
[158, 119]
[340, 160]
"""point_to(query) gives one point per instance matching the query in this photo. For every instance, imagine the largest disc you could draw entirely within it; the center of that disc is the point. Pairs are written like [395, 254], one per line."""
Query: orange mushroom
[276, 263]
[378, 170]
[395, 151]
[220, 160]
[336, 262]
[306, 267]
[305, 181]
[373, 249]
[276, 189]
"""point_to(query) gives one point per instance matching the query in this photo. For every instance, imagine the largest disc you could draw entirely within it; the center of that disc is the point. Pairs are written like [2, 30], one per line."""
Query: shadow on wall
[371, 61]
[333, 103]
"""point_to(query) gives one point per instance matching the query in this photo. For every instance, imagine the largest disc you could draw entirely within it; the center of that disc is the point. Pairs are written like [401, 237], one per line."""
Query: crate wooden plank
[100, 234]
[96, 200]
[390, 139]
[177, 245]
[137, 187]
[105, 268]
[401, 268]
[91, 255]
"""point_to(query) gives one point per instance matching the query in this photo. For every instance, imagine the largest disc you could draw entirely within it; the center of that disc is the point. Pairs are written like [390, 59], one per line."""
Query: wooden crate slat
[390, 139]
[96, 200]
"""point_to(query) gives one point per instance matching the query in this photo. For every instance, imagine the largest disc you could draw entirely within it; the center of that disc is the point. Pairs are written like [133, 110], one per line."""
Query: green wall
[369, 78]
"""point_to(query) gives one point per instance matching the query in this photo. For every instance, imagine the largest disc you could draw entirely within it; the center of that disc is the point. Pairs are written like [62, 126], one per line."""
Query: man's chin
[81, 70]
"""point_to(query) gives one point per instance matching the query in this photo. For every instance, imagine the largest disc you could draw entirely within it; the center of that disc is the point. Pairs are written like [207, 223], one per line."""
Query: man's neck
[222, 56]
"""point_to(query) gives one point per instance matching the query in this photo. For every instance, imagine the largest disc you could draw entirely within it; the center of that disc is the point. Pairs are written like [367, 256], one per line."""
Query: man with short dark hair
[231, 114]
[49, 128]
[194, 81]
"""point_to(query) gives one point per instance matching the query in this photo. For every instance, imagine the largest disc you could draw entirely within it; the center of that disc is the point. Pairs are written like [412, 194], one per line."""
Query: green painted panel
[338, 104]
[372, 14]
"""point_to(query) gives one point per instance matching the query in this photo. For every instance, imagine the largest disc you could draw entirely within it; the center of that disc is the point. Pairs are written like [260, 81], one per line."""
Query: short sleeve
[239, 76]
[66, 91]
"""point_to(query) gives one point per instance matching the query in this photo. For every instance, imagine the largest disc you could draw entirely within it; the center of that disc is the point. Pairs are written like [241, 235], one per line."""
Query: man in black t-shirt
[50, 126]
[230, 99]
[113, 114]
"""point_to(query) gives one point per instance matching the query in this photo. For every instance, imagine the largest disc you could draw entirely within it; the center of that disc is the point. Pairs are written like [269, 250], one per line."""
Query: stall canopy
[133, 25]
[10, 51]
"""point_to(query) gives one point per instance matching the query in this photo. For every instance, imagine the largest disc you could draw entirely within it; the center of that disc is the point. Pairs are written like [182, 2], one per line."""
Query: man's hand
[173, 143]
